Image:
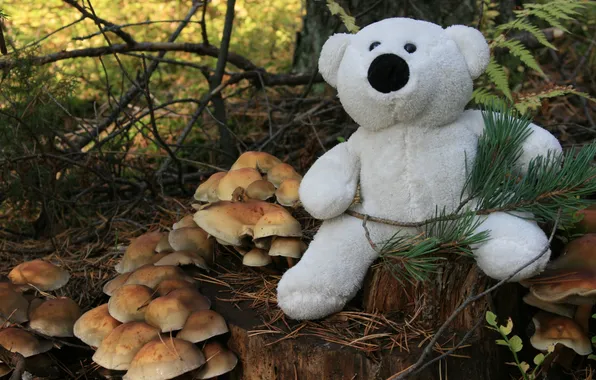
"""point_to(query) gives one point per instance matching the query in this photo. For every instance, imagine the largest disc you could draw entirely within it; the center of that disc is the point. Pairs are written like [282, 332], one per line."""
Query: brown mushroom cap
[552, 329]
[13, 306]
[202, 325]
[168, 285]
[556, 308]
[219, 361]
[261, 189]
[256, 257]
[185, 222]
[287, 247]
[39, 273]
[169, 312]
[139, 252]
[287, 193]
[111, 286]
[588, 223]
[129, 303]
[192, 239]
[164, 245]
[94, 325]
[207, 191]
[164, 359]
[184, 258]
[280, 173]
[256, 160]
[277, 223]
[118, 349]
[579, 254]
[232, 222]
[576, 288]
[55, 317]
[235, 179]
[150, 275]
[23, 342]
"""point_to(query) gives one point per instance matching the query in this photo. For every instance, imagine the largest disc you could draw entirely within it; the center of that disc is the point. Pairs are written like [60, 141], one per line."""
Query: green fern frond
[349, 21]
[498, 76]
[549, 18]
[524, 25]
[483, 96]
[532, 101]
[520, 51]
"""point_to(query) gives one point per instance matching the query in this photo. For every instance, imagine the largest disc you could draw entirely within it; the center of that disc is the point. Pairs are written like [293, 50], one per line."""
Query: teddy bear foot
[304, 305]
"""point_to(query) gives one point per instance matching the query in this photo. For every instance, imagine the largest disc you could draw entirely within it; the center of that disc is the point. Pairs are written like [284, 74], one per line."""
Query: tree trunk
[319, 24]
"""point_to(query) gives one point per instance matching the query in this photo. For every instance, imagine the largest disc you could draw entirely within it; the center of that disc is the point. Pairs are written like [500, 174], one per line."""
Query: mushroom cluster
[156, 315]
[237, 212]
[261, 176]
[566, 292]
[30, 314]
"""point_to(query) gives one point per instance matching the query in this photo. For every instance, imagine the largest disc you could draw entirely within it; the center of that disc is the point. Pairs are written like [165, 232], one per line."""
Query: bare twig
[119, 32]
[417, 367]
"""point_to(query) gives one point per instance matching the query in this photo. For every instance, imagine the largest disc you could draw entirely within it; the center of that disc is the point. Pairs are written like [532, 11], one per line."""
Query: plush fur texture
[408, 157]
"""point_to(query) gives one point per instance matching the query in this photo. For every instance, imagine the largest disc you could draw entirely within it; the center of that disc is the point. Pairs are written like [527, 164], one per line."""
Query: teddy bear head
[404, 71]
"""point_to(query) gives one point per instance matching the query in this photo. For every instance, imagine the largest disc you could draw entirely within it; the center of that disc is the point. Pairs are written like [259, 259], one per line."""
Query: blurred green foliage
[264, 31]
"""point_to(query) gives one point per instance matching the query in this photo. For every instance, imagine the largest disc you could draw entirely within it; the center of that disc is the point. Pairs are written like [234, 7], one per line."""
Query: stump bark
[266, 357]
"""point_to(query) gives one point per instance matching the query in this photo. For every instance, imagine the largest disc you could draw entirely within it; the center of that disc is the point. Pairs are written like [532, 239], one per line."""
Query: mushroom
[219, 361]
[4, 370]
[588, 222]
[202, 325]
[111, 286]
[256, 257]
[207, 191]
[129, 302]
[94, 325]
[40, 274]
[288, 247]
[261, 189]
[277, 223]
[169, 312]
[164, 359]
[232, 222]
[192, 239]
[151, 275]
[287, 193]
[280, 173]
[235, 179]
[164, 245]
[23, 342]
[118, 349]
[166, 286]
[571, 279]
[256, 160]
[139, 252]
[560, 309]
[55, 317]
[552, 329]
[183, 258]
[186, 221]
[13, 306]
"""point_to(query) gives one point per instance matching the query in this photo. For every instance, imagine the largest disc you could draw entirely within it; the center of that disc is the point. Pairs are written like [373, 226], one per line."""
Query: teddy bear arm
[539, 143]
[329, 187]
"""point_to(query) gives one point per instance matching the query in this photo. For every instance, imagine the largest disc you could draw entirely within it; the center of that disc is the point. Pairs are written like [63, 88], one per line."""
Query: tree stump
[307, 357]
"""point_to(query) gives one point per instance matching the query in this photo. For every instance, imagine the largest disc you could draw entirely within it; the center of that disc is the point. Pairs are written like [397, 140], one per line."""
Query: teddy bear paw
[306, 305]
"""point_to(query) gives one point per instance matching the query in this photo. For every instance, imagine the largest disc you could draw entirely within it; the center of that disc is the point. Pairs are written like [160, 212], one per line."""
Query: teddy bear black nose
[388, 72]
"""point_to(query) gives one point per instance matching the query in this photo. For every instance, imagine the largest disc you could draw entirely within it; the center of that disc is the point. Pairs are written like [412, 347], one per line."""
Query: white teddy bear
[406, 83]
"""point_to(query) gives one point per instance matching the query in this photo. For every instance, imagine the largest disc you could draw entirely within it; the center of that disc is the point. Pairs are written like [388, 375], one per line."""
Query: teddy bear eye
[373, 45]
[410, 48]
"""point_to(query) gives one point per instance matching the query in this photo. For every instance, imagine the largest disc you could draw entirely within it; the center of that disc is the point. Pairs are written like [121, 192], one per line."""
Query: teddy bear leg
[513, 242]
[330, 271]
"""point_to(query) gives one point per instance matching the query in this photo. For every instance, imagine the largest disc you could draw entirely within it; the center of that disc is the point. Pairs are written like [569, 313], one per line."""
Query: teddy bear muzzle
[388, 73]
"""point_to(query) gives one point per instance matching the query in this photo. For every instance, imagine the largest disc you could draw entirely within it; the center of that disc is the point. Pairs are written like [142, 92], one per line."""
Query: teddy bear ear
[331, 56]
[473, 46]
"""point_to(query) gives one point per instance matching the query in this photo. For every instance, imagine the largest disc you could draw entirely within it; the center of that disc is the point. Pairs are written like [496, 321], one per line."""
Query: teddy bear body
[406, 83]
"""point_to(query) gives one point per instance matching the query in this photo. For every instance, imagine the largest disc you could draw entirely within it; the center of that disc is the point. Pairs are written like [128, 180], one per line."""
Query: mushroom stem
[291, 262]
[582, 316]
